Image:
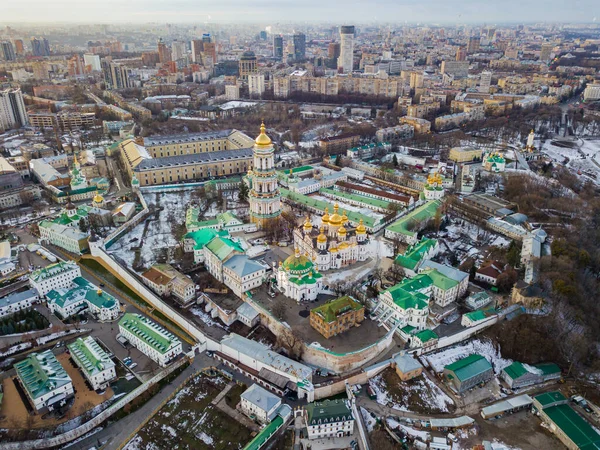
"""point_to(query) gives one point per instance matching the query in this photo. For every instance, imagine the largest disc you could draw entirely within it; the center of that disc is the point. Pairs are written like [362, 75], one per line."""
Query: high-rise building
[197, 49]
[264, 197]
[12, 109]
[333, 50]
[19, 47]
[278, 46]
[177, 50]
[346, 58]
[93, 61]
[40, 47]
[164, 52]
[473, 45]
[75, 66]
[7, 51]
[416, 80]
[256, 84]
[546, 51]
[206, 37]
[210, 49]
[263, 35]
[485, 81]
[116, 75]
[461, 54]
[299, 46]
[247, 65]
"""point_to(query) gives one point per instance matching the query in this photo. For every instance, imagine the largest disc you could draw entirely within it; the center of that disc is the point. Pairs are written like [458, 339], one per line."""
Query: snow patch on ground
[205, 317]
[205, 438]
[368, 419]
[485, 348]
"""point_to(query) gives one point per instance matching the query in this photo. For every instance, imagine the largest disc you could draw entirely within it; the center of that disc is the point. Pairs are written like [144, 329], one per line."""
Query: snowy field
[485, 348]
[584, 159]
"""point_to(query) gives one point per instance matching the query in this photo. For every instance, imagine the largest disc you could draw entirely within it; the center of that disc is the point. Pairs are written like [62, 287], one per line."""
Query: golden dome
[333, 250]
[321, 238]
[325, 218]
[361, 229]
[307, 225]
[335, 219]
[344, 217]
[98, 198]
[343, 246]
[341, 230]
[263, 139]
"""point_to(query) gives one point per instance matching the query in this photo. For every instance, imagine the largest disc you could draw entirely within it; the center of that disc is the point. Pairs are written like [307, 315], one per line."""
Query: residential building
[166, 280]
[337, 316]
[116, 75]
[591, 92]
[256, 84]
[329, 418]
[421, 126]
[473, 44]
[44, 380]
[407, 367]
[7, 51]
[92, 61]
[242, 274]
[574, 431]
[468, 372]
[64, 236]
[82, 296]
[258, 403]
[18, 301]
[339, 144]
[150, 338]
[55, 276]
[489, 272]
[12, 109]
[95, 364]
[485, 80]
[345, 61]
[232, 91]
[40, 47]
[458, 69]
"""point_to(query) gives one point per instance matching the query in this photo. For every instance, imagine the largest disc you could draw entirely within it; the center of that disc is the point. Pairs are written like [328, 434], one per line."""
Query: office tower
[210, 49]
[177, 50]
[93, 61]
[263, 35]
[206, 37]
[197, 49]
[299, 46]
[75, 66]
[7, 51]
[40, 47]
[247, 65]
[19, 47]
[40, 70]
[461, 54]
[333, 50]
[164, 53]
[473, 45]
[546, 51]
[346, 58]
[278, 46]
[256, 84]
[485, 81]
[12, 109]
[116, 76]
[490, 33]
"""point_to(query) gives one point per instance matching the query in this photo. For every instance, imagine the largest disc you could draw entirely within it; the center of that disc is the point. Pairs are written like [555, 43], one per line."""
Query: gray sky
[272, 11]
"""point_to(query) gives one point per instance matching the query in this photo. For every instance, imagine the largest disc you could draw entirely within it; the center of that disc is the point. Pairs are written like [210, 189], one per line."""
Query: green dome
[298, 264]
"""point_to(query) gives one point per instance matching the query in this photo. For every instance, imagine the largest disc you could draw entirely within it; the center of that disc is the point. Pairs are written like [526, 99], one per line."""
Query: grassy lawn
[189, 421]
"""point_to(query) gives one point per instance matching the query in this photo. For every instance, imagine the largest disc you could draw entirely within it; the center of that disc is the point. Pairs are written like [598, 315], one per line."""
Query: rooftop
[148, 331]
[469, 367]
[574, 426]
[17, 297]
[330, 311]
[260, 397]
[82, 290]
[41, 373]
[193, 158]
[53, 270]
[406, 363]
[243, 266]
[90, 356]
[186, 138]
[328, 411]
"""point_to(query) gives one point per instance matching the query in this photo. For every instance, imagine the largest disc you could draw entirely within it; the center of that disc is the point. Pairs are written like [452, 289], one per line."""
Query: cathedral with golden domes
[333, 245]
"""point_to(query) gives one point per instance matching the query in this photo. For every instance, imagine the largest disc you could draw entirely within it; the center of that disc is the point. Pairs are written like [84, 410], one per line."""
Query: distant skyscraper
[19, 47]
[333, 50]
[263, 35]
[116, 76]
[7, 51]
[278, 46]
[40, 47]
[461, 54]
[206, 37]
[546, 51]
[197, 49]
[299, 46]
[247, 65]
[485, 81]
[12, 109]
[210, 49]
[164, 53]
[346, 58]
[177, 50]
[93, 61]
[473, 45]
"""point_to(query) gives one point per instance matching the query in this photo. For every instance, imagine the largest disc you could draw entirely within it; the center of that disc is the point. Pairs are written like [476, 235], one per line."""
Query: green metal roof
[356, 197]
[516, 370]
[261, 438]
[331, 310]
[426, 335]
[148, 331]
[469, 367]
[204, 236]
[548, 368]
[548, 398]
[407, 295]
[52, 270]
[83, 289]
[574, 426]
[440, 280]
[475, 316]
[222, 247]
[298, 264]
[91, 357]
[415, 253]
[328, 411]
[41, 373]
[419, 215]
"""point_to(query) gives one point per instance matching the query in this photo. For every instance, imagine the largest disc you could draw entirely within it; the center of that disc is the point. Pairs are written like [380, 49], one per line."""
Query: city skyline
[268, 11]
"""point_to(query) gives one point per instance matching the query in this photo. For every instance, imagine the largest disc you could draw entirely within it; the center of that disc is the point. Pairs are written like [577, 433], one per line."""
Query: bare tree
[278, 309]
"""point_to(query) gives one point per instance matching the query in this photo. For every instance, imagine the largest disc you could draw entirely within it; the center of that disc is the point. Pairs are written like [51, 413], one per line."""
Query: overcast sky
[272, 11]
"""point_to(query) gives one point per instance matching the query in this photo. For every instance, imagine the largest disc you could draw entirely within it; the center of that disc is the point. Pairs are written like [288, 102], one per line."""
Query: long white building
[94, 362]
[150, 338]
[54, 276]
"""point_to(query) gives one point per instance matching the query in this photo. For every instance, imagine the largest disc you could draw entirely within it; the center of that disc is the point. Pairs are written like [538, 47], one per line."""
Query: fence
[97, 420]
[115, 235]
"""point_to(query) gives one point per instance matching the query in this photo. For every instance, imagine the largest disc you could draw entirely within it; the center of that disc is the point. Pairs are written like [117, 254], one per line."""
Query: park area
[190, 420]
